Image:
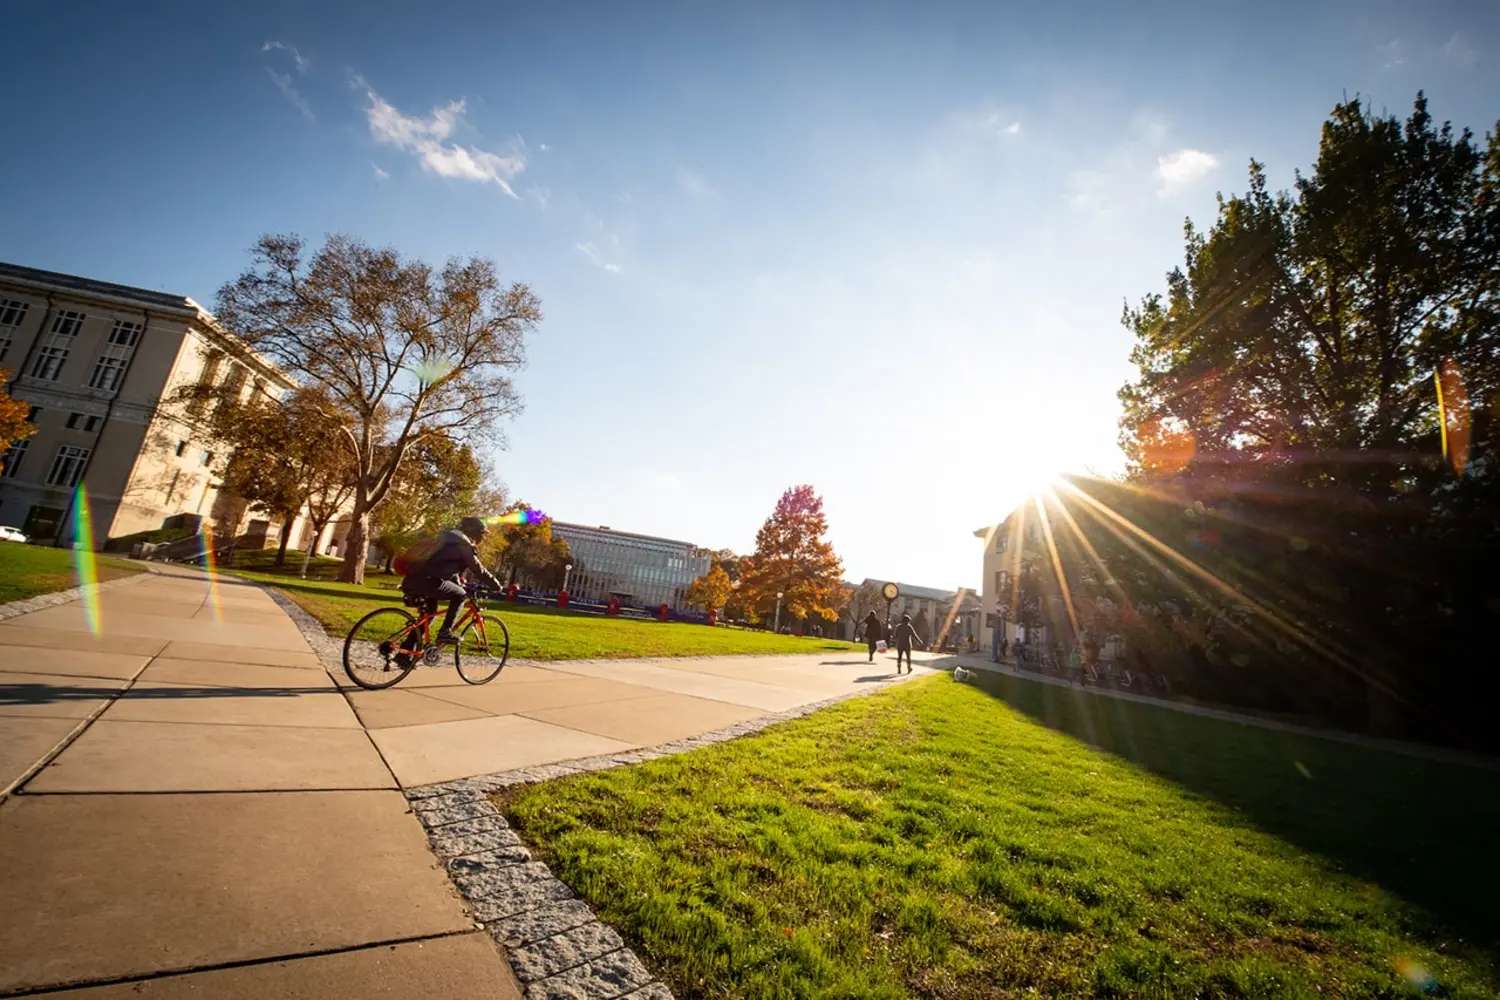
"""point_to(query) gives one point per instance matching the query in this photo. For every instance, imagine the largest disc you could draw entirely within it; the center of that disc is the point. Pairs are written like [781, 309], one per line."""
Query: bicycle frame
[422, 627]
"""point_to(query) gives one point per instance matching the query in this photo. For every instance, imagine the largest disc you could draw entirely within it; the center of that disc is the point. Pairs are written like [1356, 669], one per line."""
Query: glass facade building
[637, 569]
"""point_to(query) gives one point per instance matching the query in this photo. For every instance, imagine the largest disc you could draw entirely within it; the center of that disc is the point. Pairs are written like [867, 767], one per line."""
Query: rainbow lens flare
[83, 558]
[210, 564]
[518, 517]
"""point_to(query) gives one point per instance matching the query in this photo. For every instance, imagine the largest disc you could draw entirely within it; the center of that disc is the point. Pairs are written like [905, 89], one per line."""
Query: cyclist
[439, 575]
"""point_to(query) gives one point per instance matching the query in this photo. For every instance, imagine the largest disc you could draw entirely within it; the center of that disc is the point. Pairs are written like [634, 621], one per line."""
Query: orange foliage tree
[792, 558]
[13, 424]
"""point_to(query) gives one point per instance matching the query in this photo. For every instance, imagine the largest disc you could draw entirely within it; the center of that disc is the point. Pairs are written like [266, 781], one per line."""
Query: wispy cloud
[542, 196]
[1185, 166]
[592, 253]
[301, 61]
[429, 140]
[289, 91]
[1392, 54]
[284, 82]
[1459, 52]
[380, 175]
[695, 185]
[987, 120]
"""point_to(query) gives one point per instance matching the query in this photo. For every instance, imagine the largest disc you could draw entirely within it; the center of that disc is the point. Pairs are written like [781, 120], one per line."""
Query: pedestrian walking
[906, 635]
[874, 632]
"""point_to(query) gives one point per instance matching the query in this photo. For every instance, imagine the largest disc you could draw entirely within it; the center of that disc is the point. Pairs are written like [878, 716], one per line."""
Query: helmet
[473, 527]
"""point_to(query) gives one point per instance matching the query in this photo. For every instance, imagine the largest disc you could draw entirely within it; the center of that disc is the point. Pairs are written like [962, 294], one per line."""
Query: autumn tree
[528, 551]
[402, 351]
[793, 558]
[283, 453]
[438, 485]
[712, 589]
[14, 426]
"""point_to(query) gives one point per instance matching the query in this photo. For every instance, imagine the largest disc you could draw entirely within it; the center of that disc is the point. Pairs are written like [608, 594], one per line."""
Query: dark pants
[900, 652]
[430, 591]
[871, 644]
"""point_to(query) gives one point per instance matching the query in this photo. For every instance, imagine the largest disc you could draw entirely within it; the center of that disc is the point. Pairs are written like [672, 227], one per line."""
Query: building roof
[104, 289]
[565, 526]
[921, 593]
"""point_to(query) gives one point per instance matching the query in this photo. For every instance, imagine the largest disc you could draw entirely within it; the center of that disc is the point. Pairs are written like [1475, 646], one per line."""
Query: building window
[172, 490]
[43, 522]
[181, 447]
[108, 372]
[124, 334]
[12, 312]
[10, 462]
[49, 360]
[67, 467]
[206, 381]
[119, 346]
[67, 323]
[83, 421]
[208, 458]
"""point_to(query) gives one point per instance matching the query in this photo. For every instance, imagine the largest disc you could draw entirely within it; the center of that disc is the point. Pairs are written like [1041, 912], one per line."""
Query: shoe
[447, 638]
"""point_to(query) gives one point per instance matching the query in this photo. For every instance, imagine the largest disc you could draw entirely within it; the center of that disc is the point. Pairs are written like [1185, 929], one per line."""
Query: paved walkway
[196, 807]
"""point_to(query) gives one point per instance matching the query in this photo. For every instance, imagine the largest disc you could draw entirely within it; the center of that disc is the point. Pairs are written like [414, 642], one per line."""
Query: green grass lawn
[1024, 840]
[535, 633]
[29, 570]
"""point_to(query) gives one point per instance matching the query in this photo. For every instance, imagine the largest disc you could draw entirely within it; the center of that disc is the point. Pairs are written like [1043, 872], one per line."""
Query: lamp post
[567, 572]
[777, 627]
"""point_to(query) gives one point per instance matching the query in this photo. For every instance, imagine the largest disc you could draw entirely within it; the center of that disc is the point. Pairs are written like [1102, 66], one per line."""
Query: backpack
[414, 559]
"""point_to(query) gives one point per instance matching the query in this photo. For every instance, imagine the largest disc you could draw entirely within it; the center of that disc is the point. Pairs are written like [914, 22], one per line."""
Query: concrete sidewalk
[217, 821]
[199, 806]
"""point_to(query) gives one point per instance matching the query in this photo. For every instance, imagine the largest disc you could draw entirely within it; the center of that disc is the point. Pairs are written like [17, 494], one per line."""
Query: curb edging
[557, 946]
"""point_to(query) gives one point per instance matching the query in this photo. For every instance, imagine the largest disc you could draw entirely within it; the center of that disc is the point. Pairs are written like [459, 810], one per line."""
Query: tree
[527, 551]
[793, 559]
[403, 353]
[437, 486]
[712, 589]
[1313, 475]
[14, 426]
[283, 452]
[864, 599]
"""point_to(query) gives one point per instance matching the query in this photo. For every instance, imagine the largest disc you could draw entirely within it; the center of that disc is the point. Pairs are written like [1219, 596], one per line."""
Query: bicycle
[388, 643]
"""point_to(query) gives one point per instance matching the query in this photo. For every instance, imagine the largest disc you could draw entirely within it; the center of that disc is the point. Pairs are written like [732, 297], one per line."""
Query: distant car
[12, 535]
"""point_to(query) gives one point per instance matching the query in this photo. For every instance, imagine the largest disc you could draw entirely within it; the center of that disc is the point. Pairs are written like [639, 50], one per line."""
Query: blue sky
[878, 248]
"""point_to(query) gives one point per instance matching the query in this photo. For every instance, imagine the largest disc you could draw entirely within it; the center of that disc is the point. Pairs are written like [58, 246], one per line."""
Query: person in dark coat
[874, 632]
[906, 635]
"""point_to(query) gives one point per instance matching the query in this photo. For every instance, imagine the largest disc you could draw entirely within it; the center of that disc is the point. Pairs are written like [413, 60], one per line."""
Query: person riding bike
[444, 560]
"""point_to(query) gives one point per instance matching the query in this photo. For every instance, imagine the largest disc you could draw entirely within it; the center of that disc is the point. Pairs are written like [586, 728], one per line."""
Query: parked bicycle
[388, 643]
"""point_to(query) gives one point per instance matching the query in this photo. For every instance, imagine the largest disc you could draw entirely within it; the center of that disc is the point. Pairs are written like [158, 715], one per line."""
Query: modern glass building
[637, 569]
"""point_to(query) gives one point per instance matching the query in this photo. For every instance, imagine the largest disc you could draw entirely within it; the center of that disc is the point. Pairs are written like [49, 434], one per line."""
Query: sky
[879, 248]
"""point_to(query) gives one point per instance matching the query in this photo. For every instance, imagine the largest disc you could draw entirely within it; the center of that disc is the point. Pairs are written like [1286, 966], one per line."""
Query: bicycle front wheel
[482, 649]
[381, 648]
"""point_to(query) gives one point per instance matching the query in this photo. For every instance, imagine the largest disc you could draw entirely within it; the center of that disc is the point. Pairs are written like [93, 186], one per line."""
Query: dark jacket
[874, 630]
[455, 555]
[905, 635]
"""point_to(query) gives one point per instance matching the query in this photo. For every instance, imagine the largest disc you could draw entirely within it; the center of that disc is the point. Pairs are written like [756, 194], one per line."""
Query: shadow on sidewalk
[1421, 829]
[14, 694]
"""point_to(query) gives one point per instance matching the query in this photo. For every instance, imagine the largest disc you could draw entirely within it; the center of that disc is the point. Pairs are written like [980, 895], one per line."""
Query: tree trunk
[286, 537]
[355, 544]
[312, 547]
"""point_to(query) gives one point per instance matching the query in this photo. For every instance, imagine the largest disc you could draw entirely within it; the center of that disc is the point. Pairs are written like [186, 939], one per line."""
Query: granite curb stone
[557, 946]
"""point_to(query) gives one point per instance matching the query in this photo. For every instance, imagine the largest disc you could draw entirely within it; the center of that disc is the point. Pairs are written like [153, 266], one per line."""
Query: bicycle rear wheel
[483, 647]
[381, 648]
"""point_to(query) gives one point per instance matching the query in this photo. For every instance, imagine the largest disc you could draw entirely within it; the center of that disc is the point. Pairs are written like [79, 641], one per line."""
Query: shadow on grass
[1422, 830]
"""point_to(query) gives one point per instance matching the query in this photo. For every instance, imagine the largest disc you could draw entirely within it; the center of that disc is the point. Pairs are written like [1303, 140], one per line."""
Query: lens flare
[1414, 974]
[518, 517]
[210, 563]
[430, 370]
[83, 557]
